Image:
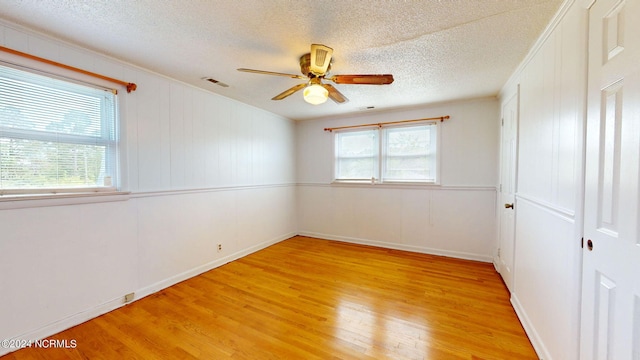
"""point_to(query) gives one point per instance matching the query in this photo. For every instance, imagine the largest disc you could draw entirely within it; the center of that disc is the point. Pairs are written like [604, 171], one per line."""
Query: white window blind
[409, 153]
[55, 134]
[356, 155]
[387, 154]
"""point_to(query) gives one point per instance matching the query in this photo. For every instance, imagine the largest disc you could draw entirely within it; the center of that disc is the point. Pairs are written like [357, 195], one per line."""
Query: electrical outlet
[129, 297]
[219, 247]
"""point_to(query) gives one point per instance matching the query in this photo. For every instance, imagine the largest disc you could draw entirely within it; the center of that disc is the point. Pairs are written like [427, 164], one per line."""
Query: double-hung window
[406, 154]
[55, 135]
[357, 155]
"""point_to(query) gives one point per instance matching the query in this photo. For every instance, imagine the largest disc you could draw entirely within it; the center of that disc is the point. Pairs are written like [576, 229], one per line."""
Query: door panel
[509, 153]
[609, 167]
[605, 303]
[610, 327]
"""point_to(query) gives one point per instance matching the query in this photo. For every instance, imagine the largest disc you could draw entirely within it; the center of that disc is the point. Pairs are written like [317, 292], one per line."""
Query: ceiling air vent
[212, 80]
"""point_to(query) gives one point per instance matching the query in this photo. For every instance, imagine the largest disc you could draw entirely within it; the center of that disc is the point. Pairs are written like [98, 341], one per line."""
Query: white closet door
[610, 326]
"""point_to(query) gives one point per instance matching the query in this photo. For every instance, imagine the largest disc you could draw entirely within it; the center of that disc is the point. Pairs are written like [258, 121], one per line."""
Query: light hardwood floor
[307, 298]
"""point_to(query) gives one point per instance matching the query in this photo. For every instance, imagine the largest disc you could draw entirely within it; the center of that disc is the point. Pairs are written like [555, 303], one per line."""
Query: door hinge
[498, 252]
[582, 243]
[502, 121]
[500, 187]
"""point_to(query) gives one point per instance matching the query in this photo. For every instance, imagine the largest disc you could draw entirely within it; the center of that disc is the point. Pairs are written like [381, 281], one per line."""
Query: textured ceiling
[437, 50]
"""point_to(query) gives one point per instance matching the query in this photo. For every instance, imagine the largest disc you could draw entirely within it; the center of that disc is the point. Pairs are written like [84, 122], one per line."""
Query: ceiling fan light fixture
[315, 94]
[315, 67]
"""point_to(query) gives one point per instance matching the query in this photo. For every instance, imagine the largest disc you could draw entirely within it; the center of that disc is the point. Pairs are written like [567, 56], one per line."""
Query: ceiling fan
[315, 67]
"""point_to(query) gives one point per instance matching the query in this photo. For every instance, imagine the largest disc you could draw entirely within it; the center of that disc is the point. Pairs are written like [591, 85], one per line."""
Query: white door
[610, 327]
[508, 156]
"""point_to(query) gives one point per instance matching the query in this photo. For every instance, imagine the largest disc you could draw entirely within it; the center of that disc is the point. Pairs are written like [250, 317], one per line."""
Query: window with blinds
[55, 135]
[356, 155]
[388, 154]
[409, 154]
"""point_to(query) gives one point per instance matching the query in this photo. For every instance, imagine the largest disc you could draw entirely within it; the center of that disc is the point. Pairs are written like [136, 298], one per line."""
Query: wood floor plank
[307, 298]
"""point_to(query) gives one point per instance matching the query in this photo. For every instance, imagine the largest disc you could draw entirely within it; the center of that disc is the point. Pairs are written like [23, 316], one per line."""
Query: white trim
[379, 182]
[395, 246]
[32, 201]
[412, 186]
[42, 200]
[143, 194]
[83, 316]
[39, 192]
[557, 211]
[529, 329]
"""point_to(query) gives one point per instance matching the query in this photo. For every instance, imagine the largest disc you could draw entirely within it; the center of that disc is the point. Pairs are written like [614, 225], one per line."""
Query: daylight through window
[387, 154]
[55, 134]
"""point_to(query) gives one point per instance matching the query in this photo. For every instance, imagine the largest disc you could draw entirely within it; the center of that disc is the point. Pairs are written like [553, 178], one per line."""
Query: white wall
[547, 269]
[456, 218]
[202, 170]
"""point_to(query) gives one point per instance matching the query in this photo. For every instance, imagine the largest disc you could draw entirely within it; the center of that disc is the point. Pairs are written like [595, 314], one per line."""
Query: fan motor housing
[305, 62]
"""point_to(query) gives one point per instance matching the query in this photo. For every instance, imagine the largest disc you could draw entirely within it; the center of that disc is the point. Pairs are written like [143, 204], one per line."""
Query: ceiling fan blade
[289, 91]
[293, 76]
[334, 94]
[382, 79]
[320, 59]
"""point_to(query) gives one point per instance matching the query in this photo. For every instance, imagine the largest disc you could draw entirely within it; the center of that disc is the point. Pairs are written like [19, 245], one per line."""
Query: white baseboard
[83, 316]
[395, 246]
[533, 335]
[66, 323]
[163, 284]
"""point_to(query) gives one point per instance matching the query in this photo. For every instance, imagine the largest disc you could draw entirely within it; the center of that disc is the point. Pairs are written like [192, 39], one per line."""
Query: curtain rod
[130, 86]
[441, 118]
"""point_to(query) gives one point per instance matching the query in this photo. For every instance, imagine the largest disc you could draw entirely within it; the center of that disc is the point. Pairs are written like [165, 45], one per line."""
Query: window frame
[375, 155]
[378, 178]
[112, 145]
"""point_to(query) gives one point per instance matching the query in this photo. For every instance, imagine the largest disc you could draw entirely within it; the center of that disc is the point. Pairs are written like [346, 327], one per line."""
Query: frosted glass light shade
[315, 94]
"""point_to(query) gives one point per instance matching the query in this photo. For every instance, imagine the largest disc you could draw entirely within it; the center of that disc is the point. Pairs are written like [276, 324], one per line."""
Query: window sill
[385, 184]
[15, 201]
